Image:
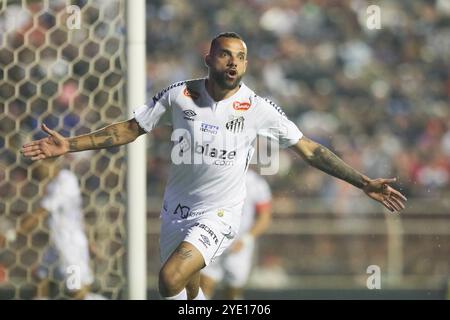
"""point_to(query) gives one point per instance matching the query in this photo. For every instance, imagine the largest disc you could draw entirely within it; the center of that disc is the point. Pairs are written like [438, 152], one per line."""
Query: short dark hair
[224, 35]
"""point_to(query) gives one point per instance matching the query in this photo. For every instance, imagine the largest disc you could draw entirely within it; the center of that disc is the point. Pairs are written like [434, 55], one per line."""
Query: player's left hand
[381, 191]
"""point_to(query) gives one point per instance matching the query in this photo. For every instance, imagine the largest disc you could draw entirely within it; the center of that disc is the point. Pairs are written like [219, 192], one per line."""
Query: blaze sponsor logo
[241, 106]
[185, 153]
[189, 114]
[224, 157]
[209, 128]
[235, 125]
[204, 239]
[208, 230]
[191, 93]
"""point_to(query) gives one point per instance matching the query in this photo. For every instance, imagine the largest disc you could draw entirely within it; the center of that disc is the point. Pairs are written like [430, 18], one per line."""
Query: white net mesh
[68, 74]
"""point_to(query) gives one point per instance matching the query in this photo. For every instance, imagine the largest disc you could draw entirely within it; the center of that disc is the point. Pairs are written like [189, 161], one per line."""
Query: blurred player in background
[234, 266]
[215, 120]
[68, 252]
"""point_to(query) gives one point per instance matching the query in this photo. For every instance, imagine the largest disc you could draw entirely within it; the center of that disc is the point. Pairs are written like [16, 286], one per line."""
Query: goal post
[136, 164]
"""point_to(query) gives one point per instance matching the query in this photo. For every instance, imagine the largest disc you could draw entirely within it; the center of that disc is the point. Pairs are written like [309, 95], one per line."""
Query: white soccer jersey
[212, 145]
[258, 194]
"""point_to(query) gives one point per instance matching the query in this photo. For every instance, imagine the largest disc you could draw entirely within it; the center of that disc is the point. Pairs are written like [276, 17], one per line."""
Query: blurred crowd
[379, 98]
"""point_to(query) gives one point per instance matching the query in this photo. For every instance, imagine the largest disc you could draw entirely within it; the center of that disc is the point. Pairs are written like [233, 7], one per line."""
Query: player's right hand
[52, 146]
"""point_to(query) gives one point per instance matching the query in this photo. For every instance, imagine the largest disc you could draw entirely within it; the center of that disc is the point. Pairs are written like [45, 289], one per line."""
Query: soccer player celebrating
[215, 122]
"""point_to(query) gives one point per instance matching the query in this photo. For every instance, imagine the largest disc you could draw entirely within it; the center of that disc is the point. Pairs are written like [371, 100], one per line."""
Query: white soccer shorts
[209, 234]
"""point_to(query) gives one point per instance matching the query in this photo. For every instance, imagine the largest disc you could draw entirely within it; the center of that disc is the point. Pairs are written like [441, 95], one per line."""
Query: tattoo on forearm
[107, 143]
[184, 254]
[330, 163]
[73, 145]
[102, 133]
[92, 141]
[115, 132]
[106, 133]
[104, 138]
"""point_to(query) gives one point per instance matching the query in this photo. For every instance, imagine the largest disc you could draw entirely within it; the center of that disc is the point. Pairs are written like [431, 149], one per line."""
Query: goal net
[62, 63]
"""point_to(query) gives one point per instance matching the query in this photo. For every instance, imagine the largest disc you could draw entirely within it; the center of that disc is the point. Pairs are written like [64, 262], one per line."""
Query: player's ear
[208, 60]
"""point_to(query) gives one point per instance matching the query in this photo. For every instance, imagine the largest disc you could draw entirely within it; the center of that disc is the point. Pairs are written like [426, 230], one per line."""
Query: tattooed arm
[323, 159]
[55, 144]
[113, 135]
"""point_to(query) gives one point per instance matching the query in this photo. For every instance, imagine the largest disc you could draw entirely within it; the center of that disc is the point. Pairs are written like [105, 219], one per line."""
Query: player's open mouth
[231, 73]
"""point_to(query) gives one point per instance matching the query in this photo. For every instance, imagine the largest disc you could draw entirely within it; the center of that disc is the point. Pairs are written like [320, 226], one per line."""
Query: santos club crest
[235, 125]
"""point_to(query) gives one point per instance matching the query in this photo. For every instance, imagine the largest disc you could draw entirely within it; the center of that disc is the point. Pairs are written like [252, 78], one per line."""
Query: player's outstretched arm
[323, 159]
[56, 145]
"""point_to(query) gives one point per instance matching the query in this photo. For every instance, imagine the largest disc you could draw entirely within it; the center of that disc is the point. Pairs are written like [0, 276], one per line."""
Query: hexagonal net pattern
[62, 63]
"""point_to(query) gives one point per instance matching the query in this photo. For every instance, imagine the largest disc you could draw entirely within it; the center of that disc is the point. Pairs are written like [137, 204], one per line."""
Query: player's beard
[223, 82]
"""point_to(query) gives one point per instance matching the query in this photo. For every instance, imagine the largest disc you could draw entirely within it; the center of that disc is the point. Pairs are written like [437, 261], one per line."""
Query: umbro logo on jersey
[241, 106]
[204, 239]
[208, 230]
[189, 114]
[235, 125]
